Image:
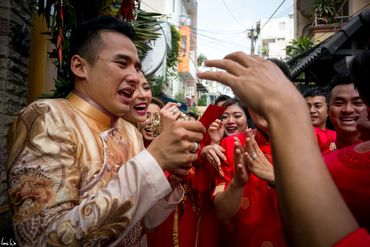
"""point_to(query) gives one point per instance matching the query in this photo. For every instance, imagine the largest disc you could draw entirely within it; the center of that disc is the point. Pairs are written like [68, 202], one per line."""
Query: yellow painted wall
[41, 69]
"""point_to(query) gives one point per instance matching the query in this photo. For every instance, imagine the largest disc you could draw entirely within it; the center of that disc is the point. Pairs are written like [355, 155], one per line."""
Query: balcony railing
[337, 20]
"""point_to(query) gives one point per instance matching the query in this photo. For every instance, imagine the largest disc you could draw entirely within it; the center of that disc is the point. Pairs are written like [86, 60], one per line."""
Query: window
[189, 92]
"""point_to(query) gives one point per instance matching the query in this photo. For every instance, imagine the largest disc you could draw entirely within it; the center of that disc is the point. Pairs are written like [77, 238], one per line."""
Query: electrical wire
[273, 14]
[218, 32]
[196, 32]
[231, 14]
[213, 38]
[286, 11]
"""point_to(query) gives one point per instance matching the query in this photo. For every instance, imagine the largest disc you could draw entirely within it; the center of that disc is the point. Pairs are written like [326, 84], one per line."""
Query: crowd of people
[91, 170]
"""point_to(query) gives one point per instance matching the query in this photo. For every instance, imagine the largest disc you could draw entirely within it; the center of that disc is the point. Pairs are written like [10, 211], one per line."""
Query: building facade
[183, 15]
[337, 38]
[309, 23]
[275, 36]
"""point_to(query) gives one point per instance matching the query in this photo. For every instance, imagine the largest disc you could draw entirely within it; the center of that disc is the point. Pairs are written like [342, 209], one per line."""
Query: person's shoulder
[43, 106]
[331, 132]
[326, 135]
[355, 156]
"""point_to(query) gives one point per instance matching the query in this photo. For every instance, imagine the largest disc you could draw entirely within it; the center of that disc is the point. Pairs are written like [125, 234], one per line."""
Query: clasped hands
[252, 159]
[176, 145]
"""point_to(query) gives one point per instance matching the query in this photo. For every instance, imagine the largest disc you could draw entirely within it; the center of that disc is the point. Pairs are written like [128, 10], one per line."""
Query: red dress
[258, 221]
[350, 170]
[326, 140]
[204, 183]
[180, 227]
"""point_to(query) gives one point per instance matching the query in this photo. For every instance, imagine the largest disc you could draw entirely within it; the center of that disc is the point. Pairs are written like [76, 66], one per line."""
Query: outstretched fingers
[227, 77]
[219, 76]
[243, 59]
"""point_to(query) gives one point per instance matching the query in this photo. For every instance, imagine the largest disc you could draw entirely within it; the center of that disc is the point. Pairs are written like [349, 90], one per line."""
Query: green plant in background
[63, 16]
[202, 101]
[298, 47]
[172, 56]
[265, 51]
[326, 9]
[180, 96]
[157, 83]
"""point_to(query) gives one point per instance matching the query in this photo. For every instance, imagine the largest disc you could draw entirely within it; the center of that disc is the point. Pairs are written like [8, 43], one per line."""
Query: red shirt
[350, 170]
[326, 140]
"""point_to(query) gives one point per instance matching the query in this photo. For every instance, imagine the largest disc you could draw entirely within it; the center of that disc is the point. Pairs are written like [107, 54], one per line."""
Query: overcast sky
[222, 24]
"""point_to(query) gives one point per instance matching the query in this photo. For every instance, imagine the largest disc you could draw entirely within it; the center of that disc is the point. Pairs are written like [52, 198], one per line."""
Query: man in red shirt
[345, 107]
[318, 107]
[350, 165]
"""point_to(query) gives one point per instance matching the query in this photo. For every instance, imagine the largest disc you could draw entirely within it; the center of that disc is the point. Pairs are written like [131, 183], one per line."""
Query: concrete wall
[303, 17]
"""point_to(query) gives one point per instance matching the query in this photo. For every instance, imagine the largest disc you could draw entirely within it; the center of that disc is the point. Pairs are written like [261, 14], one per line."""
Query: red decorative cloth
[350, 170]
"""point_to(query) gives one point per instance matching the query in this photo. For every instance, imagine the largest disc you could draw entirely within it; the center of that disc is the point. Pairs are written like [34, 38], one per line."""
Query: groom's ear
[78, 66]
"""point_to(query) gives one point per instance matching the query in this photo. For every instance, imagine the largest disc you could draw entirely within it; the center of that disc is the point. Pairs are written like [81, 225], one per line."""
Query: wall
[15, 22]
[42, 69]
[303, 17]
[355, 6]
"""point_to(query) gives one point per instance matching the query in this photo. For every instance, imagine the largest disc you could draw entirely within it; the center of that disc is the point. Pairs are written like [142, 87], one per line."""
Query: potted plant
[326, 9]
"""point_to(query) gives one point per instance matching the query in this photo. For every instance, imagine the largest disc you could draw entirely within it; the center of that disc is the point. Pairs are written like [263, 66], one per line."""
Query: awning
[201, 88]
[324, 60]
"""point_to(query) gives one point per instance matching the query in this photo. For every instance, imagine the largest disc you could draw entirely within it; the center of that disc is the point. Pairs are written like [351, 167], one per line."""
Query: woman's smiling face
[234, 119]
[140, 101]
